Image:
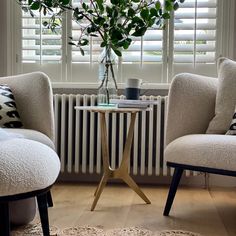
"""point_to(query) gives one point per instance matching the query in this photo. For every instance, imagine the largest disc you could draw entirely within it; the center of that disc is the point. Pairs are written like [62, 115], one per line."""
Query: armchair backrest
[34, 100]
[191, 105]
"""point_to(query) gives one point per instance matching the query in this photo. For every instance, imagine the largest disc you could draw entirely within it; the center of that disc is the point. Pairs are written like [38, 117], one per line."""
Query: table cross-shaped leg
[122, 171]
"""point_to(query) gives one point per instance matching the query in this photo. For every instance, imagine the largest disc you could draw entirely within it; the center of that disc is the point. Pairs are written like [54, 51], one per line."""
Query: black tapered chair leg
[49, 199]
[4, 219]
[172, 191]
[43, 212]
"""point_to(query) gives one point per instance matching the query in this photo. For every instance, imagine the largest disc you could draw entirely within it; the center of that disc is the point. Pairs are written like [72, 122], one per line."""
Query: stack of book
[143, 104]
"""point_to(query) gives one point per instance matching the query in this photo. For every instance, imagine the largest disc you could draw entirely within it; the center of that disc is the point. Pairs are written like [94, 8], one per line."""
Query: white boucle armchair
[34, 101]
[31, 165]
[191, 106]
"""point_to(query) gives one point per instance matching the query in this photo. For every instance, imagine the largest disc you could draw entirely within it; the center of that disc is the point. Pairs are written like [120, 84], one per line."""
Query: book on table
[126, 103]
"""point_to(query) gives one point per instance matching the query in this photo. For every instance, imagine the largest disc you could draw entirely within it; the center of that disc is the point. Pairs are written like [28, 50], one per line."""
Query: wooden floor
[211, 213]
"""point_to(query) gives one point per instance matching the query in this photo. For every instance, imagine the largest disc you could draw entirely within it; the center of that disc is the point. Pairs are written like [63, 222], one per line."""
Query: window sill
[77, 85]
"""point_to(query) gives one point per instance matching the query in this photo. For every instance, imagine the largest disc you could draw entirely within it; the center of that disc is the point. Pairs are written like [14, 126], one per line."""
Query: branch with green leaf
[115, 22]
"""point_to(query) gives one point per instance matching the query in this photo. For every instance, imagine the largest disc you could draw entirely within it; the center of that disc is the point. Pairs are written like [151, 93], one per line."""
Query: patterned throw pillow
[232, 128]
[9, 116]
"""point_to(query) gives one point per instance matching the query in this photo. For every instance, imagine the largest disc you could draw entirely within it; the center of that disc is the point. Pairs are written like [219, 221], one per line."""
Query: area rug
[35, 230]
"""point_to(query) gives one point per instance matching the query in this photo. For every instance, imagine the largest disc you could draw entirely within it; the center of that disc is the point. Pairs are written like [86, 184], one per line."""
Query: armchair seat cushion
[32, 135]
[26, 166]
[203, 150]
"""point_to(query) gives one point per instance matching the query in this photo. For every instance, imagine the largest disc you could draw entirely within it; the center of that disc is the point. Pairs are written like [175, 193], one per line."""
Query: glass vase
[107, 77]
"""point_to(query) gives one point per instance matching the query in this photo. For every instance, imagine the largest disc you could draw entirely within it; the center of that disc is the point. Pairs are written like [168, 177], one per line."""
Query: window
[191, 43]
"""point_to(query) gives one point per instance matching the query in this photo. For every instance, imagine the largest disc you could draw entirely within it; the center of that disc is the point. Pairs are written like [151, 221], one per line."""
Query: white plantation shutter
[195, 32]
[144, 54]
[194, 36]
[39, 44]
[143, 49]
[83, 68]
[40, 48]
[190, 43]
[92, 51]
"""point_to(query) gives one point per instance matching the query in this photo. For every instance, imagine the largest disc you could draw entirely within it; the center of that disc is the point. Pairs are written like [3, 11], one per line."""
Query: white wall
[3, 36]
[235, 35]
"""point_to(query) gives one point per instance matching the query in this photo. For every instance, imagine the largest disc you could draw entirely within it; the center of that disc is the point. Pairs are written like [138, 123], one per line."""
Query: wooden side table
[122, 171]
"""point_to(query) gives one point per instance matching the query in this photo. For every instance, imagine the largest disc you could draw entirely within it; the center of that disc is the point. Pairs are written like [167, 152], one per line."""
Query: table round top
[107, 109]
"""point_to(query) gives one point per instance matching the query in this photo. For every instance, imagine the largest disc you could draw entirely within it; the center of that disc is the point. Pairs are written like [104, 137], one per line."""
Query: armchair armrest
[191, 105]
[34, 100]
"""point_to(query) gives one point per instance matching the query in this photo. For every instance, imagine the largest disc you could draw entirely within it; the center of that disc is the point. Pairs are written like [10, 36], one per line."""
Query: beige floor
[211, 213]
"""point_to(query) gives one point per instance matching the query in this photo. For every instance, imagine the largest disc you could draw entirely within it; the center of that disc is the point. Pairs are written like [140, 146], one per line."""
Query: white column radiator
[78, 140]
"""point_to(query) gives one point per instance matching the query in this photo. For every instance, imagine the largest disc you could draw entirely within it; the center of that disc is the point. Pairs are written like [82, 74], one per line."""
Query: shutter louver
[40, 44]
[195, 32]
